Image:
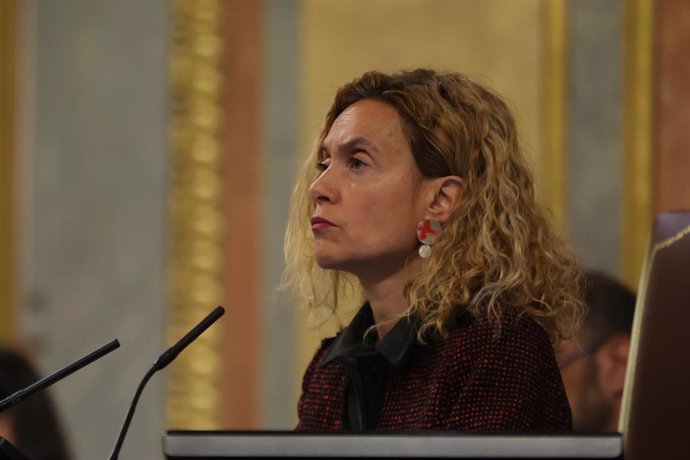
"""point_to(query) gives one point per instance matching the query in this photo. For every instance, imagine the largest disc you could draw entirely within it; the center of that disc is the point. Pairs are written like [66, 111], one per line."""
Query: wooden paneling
[672, 97]
[8, 126]
[241, 137]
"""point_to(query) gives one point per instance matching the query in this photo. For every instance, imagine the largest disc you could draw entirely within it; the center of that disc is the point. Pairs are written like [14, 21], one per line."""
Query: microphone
[163, 360]
[22, 394]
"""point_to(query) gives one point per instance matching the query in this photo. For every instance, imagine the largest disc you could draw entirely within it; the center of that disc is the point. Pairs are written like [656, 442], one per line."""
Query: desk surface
[258, 444]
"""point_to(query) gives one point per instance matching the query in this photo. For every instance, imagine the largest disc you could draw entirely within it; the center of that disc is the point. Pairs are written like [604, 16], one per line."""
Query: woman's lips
[318, 223]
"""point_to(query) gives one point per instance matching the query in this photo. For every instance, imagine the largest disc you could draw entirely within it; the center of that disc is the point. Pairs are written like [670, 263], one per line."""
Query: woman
[418, 202]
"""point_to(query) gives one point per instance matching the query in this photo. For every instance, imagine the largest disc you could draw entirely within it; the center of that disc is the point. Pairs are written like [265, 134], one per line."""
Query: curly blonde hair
[498, 249]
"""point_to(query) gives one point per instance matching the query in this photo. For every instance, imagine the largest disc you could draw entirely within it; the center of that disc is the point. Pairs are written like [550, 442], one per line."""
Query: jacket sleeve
[306, 381]
[513, 384]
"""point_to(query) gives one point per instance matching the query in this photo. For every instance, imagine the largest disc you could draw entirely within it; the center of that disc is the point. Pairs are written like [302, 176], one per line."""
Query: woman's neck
[386, 297]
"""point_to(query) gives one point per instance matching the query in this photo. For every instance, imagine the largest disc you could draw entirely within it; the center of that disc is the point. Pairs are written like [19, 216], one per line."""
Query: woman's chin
[330, 262]
[325, 262]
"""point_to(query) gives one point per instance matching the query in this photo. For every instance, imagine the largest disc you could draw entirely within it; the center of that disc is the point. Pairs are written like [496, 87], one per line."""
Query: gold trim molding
[195, 263]
[637, 136]
[556, 79]
[8, 114]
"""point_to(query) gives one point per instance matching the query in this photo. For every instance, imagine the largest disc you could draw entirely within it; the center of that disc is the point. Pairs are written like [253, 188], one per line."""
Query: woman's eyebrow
[351, 144]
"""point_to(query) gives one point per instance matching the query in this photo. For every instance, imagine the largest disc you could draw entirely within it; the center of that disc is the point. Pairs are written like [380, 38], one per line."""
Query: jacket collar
[353, 341]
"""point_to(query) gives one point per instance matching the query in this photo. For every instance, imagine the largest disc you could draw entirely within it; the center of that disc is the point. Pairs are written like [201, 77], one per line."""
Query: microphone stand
[163, 360]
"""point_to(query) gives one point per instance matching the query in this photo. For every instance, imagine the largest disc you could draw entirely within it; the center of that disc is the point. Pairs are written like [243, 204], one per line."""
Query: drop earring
[427, 234]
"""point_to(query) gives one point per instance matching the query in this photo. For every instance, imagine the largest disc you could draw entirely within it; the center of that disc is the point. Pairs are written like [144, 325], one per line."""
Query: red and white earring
[427, 234]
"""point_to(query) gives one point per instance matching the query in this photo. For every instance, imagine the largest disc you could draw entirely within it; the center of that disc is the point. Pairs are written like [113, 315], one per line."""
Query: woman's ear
[447, 195]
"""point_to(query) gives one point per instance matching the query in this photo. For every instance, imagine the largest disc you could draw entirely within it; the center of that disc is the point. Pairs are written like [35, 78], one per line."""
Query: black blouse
[367, 362]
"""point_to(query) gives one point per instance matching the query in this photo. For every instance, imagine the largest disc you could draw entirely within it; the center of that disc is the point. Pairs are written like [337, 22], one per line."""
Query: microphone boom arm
[163, 360]
[45, 382]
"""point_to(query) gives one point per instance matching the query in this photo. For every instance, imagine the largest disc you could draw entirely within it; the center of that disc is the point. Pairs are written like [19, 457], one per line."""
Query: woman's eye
[323, 165]
[357, 163]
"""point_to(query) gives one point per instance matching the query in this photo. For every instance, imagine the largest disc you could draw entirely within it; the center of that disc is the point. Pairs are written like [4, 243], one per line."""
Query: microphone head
[171, 353]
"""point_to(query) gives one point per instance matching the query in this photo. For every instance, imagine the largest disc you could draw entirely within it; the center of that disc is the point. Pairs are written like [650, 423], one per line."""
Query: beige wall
[500, 43]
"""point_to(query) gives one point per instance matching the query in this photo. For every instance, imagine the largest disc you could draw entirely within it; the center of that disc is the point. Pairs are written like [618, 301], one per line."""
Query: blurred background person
[32, 426]
[593, 363]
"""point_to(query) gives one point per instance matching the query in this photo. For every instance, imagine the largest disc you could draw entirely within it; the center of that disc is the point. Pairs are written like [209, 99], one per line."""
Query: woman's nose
[322, 190]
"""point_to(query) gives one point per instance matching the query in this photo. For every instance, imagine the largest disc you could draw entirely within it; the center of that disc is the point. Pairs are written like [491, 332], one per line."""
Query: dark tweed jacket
[470, 381]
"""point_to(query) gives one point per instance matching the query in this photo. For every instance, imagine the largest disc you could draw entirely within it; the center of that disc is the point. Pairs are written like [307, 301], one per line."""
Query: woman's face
[368, 198]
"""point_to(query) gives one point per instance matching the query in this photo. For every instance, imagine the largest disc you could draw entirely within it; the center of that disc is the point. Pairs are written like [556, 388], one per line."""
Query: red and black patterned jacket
[473, 380]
